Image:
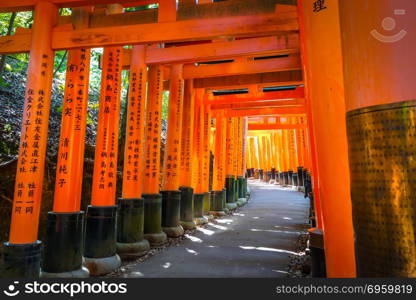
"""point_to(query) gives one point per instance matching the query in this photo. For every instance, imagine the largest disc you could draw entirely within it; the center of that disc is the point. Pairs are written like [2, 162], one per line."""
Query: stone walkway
[255, 241]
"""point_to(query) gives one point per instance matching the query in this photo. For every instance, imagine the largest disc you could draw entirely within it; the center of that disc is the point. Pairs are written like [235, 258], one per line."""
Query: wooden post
[24, 260]
[260, 153]
[134, 147]
[198, 159]
[206, 154]
[186, 186]
[218, 194]
[197, 156]
[65, 224]
[269, 157]
[325, 91]
[105, 162]
[253, 153]
[241, 160]
[171, 195]
[299, 144]
[130, 219]
[152, 198]
[230, 160]
[292, 146]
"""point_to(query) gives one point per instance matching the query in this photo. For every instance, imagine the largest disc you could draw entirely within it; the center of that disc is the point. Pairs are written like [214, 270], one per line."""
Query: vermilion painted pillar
[198, 158]
[64, 232]
[253, 153]
[275, 156]
[62, 253]
[278, 138]
[241, 160]
[292, 146]
[186, 185]
[218, 192]
[325, 95]
[206, 155]
[238, 142]
[249, 158]
[171, 195]
[269, 157]
[151, 179]
[100, 234]
[230, 160]
[260, 152]
[22, 252]
[378, 50]
[130, 219]
[299, 143]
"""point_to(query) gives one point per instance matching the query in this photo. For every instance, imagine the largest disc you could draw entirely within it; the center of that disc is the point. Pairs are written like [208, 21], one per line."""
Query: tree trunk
[9, 31]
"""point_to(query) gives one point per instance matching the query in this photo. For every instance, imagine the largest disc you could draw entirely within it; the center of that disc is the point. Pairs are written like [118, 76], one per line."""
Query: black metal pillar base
[316, 246]
[245, 188]
[21, 260]
[250, 173]
[261, 174]
[217, 203]
[199, 209]
[153, 219]
[273, 174]
[242, 191]
[295, 179]
[289, 176]
[236, 189]
[187, 207]
[100, 240]
[207, 203]
[300, 176]
[130, 228]
[171, 202]
[276, 177]
[63, 246]
[230, 187]
[285, 178]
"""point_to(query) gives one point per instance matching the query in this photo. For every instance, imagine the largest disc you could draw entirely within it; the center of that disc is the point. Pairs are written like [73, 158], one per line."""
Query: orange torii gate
[258, 58]
[57, 34]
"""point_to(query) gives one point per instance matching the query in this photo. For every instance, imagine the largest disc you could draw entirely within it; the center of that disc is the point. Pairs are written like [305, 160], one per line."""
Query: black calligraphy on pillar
[319, 5]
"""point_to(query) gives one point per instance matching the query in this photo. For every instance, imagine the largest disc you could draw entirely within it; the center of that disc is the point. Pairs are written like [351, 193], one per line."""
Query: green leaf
[8, 67]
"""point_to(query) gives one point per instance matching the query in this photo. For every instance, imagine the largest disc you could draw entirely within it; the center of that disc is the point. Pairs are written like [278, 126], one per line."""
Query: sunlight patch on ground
[205, 231]
[238, 214]
[280, 271]
[268, 249]
[225, 221]
[278, 226]
[166, 265]
[217, 226]
[193, 238]
[275, 231]
[191, 251]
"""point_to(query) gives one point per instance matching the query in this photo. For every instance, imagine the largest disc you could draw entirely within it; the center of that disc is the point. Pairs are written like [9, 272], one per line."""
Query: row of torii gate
[277, 79]
[157, 201]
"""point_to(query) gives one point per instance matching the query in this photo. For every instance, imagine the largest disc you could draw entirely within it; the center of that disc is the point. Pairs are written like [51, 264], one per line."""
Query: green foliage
[143, 7]
[165, 105]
